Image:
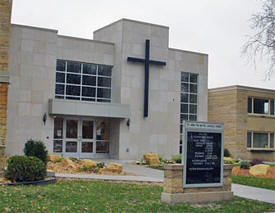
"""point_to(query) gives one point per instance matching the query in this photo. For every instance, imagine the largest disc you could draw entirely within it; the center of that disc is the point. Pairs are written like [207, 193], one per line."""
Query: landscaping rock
[259, 169]
[53, 157]
[113, 168]
[228, 160]
[152, 159]
[67, 163]
[87, 162]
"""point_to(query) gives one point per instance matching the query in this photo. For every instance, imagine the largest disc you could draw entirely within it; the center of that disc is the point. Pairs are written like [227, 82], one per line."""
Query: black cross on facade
[146, 63]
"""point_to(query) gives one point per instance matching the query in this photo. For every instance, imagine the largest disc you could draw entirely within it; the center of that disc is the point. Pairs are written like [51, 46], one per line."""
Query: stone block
[259, 169]
[196, 197]
[152, 159]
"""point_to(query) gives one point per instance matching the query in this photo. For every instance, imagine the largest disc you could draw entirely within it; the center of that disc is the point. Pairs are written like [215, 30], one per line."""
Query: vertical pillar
[5, 26]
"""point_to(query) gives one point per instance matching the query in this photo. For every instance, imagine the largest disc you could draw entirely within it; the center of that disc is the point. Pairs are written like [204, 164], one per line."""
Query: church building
[119, 95]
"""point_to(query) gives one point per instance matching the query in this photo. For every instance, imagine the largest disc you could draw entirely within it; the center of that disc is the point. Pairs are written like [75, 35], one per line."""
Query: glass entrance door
[87, 138]
[79, 138]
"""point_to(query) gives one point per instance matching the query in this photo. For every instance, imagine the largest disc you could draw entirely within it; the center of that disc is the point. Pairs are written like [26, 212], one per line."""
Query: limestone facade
[229, 105]
[33, 55]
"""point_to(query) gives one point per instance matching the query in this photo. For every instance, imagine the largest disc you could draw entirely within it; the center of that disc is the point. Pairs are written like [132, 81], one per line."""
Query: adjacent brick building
[249, 120]
[5, 17]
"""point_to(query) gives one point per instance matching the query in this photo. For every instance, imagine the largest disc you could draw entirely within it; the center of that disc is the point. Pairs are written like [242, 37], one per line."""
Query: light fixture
[44, 118]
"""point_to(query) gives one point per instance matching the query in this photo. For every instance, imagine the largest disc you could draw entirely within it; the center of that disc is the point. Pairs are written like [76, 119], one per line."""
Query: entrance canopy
[88, 109]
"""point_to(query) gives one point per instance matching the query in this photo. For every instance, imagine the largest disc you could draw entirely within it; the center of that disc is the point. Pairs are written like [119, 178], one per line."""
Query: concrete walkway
[254, 193]
[154, 175]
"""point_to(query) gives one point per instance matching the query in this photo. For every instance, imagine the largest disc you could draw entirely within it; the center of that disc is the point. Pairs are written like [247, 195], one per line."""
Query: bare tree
[262, 43]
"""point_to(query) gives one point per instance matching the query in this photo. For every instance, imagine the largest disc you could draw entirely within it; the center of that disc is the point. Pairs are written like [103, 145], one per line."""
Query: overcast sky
[215, 27]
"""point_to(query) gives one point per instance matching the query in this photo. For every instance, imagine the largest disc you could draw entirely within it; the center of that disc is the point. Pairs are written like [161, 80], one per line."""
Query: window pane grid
[188, 99]
[72, 84]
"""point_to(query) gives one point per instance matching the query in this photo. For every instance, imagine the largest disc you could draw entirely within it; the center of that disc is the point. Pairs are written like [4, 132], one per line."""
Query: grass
[267, 183]
[100, 196]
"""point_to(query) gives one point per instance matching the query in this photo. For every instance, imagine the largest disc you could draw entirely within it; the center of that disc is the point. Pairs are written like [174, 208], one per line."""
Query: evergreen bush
[244, 164]
[36, 149]
[24, 168]
[226, 153]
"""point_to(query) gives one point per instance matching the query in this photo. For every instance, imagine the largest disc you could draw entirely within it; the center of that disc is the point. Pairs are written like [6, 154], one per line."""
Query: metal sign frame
[193, 126]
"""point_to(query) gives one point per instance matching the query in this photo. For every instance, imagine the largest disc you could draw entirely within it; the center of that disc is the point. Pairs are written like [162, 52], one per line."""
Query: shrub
[90, 168]
[177, 158]
[226, 153]
[36, 149]
[256, 161]
[73, 159]
[24, 168]
[244, 164]
[100, 164]
[58, 160]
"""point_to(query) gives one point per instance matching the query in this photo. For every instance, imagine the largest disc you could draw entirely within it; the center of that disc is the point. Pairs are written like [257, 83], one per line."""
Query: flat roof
[219, 89]
[131, 20]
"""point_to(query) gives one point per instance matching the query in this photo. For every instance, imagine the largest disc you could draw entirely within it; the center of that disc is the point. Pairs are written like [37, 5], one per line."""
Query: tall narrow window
[272, 107]
[58, 135]
[248, 139]
[83, 81]
[272, 140]
[188, 99]
[249, 105]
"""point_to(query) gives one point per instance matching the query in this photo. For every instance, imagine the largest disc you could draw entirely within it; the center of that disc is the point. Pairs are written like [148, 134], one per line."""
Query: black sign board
[203, 157]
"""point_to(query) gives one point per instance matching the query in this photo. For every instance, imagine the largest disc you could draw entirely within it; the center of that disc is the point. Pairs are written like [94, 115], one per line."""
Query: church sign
[203, 154]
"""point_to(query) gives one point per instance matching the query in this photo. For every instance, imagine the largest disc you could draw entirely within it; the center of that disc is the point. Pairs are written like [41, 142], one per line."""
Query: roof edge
[232, 87]
[130, 20]
[35, 28]
[187, 51]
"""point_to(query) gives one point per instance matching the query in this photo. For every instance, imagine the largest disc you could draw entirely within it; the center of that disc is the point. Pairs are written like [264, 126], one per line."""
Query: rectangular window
[248, 139]
[260, 140]
[188, 98]
[260, 106]
[58, 135]
[271, 107]
[249, 105]
[272, 140]
[83, 81]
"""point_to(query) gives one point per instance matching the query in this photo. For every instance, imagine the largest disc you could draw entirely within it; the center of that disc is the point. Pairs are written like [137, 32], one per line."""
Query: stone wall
[174, 192]
[5, 17]
[229, 106]
[222, 108]
[173, 180]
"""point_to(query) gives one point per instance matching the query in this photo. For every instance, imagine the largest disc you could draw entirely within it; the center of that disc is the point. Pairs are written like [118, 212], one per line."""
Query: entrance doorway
[81, 138]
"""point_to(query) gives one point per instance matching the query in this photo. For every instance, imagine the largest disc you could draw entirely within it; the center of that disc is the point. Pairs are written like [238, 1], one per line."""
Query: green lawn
[267, 183]
[99, 196]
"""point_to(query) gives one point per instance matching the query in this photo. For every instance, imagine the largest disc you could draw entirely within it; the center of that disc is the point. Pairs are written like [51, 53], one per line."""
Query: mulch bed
[245, 172]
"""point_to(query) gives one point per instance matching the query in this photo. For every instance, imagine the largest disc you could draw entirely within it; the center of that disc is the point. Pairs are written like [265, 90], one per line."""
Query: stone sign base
[173, 191]
[196, 197]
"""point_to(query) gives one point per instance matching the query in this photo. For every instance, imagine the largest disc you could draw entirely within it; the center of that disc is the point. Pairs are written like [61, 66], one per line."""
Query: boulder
[87, 162]
[53, 157]
[113, 168]
[152, 159]
[259, 169]
[228, 160]
[68, 164]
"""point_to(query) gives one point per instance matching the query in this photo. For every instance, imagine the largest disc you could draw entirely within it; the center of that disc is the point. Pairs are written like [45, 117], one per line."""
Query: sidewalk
[154, 175]
[254, 193]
